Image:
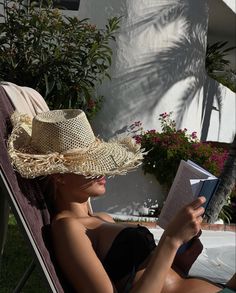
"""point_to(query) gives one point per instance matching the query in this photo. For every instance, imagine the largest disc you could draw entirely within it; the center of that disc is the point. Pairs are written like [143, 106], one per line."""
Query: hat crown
[61, 131]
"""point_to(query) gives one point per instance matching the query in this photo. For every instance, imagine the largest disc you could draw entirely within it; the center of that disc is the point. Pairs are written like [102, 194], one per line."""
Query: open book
[190, 182]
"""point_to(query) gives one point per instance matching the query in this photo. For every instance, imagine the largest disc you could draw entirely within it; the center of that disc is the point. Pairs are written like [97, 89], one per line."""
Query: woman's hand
[187, 223]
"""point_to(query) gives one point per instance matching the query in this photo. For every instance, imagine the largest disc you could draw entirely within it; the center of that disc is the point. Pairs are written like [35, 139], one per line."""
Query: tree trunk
[227, 183]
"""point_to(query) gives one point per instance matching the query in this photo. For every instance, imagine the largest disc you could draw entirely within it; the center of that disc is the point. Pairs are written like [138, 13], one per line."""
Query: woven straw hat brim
[116, 157]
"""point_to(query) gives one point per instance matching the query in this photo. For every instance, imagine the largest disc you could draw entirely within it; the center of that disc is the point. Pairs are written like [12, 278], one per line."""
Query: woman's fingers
[194, 212]
[195, 208]
[198, 202]
[187, 223]
[198, 212]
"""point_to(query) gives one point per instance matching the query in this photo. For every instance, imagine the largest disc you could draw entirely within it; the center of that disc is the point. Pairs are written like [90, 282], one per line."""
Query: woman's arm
[182, 228]
[77, 258]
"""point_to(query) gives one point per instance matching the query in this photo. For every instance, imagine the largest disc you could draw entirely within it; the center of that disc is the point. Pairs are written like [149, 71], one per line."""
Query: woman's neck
[77, 209]
[76, 205]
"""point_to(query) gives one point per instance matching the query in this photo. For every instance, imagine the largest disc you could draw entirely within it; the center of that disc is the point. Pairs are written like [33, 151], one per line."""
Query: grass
[16, 258]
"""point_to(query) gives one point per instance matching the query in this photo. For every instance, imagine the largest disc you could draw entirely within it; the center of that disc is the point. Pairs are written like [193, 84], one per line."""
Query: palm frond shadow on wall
[184, 58]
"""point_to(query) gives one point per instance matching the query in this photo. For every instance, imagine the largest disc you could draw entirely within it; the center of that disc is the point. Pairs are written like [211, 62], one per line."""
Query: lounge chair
[26, 201]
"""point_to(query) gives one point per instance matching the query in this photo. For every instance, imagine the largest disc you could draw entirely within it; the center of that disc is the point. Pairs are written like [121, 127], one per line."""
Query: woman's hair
[48, 190]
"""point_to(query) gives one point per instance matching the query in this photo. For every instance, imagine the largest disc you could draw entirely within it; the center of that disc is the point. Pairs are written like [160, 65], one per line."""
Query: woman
[96, 254]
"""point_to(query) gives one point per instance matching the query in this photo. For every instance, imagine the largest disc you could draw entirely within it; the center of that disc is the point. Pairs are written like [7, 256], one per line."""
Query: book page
[200, 168]
[181, 192]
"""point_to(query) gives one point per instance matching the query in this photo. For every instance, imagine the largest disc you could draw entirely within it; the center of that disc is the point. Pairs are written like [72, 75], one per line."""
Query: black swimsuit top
[129, 249]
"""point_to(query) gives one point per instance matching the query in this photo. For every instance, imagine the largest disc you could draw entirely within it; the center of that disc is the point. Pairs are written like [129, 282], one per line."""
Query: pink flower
[152, 131]
[137, 123]
[138, 139]
[194, 135]
[164, 115]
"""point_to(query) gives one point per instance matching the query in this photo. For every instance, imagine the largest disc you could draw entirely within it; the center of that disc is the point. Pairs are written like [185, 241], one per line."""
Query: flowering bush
[167, 148]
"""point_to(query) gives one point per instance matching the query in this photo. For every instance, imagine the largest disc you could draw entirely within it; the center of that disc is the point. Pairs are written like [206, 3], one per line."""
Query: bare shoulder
[67, 233]
[104, 216]
[60, 224]
[74, 252]
[69, 236]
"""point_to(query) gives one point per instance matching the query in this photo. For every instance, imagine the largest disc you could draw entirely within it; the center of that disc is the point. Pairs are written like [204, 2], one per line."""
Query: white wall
[158, 66]
[158, 63]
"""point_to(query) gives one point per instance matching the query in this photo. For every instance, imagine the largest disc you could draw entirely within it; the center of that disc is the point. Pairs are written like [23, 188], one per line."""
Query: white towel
[25, 99]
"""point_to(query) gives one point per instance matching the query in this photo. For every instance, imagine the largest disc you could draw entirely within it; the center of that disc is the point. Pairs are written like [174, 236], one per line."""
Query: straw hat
[62, 141]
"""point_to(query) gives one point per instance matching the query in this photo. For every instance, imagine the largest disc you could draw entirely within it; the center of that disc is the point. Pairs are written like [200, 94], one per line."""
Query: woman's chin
[99, 191]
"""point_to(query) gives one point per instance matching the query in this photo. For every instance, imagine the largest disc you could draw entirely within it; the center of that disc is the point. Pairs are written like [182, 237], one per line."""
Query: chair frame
[14, 192]
[8, 194]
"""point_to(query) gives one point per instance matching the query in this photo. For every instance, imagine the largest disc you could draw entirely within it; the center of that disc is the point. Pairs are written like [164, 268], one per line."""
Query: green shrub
[62, 57]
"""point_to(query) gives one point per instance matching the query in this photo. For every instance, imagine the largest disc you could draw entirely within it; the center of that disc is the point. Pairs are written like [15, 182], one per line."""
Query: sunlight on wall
[228, 124]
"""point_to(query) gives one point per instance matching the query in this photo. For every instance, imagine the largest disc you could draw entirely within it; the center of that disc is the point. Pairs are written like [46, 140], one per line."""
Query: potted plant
[62, 57]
